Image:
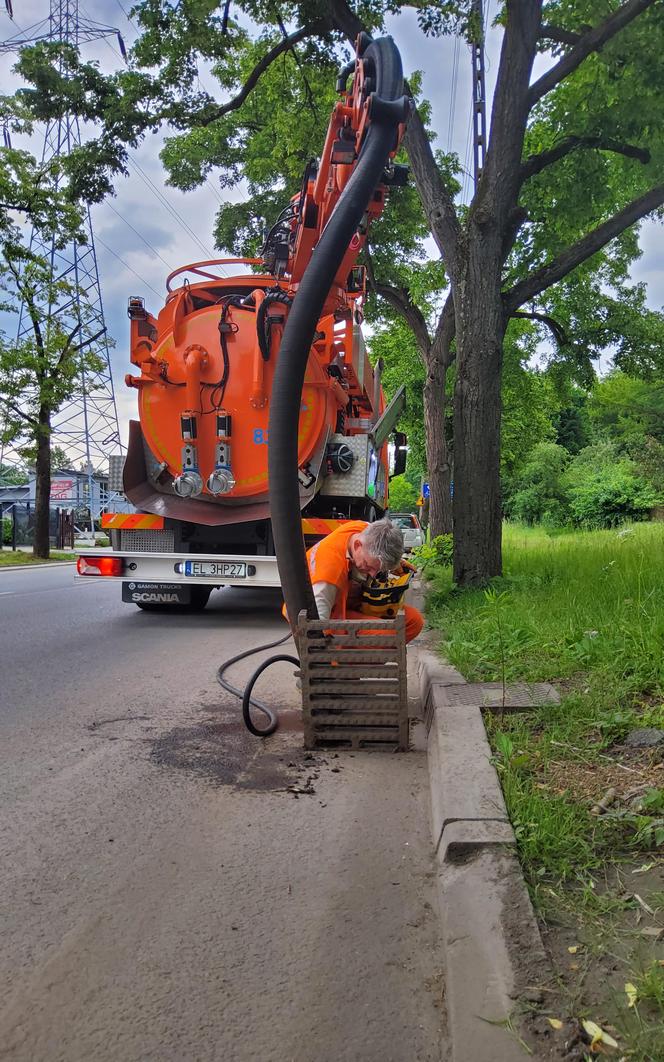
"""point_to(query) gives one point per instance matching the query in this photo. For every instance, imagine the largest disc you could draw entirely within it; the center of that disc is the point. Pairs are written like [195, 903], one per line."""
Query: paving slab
[521, 696]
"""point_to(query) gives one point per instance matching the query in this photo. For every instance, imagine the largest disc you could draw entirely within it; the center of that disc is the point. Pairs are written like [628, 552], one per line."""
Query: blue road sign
[425, 490]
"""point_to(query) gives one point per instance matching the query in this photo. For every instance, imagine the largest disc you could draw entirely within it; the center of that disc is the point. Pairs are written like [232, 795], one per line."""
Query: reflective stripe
[133, 521]
[314, 525]
[143, 521]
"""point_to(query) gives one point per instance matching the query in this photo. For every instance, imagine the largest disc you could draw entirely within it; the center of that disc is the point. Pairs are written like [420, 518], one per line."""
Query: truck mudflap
[134, 593]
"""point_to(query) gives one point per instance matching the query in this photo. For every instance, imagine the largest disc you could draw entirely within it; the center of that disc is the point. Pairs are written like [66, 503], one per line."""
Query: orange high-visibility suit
[329, 562]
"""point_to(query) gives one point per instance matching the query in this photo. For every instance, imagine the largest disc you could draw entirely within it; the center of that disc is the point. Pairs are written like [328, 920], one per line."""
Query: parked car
[409, 525]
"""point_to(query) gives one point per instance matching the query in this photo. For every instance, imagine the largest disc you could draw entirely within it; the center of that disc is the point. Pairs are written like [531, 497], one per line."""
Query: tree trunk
[438, 464]
[480, 331]
[43, 485]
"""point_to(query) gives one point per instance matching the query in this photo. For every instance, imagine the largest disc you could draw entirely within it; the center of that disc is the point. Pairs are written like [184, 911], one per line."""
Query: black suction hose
[388, 110]
[245, 695]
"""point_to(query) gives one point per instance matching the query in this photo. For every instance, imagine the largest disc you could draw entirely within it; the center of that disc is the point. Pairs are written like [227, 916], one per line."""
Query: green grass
[642, 1026]
[13, 557]
[574, 602]
[584, 610]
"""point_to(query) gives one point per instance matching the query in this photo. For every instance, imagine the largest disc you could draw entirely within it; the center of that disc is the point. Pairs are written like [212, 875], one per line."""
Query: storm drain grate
[354, 687]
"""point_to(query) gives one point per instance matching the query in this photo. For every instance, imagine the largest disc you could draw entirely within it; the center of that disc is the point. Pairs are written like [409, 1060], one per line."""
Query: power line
[161, 198]
[127, 266]
[141, 237]
[164, 202]
[216, 191]
[206, 250]
[127, 16]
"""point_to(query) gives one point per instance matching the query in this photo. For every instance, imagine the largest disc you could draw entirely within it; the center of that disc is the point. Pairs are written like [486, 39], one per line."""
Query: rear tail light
[100, 566]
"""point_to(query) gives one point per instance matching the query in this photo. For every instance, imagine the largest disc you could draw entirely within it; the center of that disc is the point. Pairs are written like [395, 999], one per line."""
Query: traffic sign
[425, 490]
[420, 501]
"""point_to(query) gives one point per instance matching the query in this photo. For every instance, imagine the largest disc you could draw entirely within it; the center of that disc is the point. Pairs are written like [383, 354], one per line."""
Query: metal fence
[18, 526]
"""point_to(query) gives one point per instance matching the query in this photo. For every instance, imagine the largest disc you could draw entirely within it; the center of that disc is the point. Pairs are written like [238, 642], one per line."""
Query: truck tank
[199, 452]
[207, 360]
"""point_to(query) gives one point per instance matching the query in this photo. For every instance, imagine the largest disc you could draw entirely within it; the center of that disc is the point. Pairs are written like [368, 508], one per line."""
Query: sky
[148, 229]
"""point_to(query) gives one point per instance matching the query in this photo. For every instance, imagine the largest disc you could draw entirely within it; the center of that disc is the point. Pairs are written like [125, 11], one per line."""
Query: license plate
[217, 569]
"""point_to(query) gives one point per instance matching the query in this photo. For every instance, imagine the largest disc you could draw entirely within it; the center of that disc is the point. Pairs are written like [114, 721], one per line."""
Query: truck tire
[200, 595]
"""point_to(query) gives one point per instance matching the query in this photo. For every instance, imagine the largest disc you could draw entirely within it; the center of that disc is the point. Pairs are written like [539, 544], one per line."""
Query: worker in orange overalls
[344, 559]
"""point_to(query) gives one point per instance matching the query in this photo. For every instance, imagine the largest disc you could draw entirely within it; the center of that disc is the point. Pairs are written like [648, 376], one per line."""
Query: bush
[605, 489]
[648, 455]
[6, 531]
[537, 494]
[439, 551]
[443, 547]
[402, 496]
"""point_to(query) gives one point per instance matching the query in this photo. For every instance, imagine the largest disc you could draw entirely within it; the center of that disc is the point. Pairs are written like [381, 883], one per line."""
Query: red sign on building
[62, 489]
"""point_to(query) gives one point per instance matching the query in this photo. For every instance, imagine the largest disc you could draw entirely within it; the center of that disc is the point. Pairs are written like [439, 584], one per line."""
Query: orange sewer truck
[197, 461]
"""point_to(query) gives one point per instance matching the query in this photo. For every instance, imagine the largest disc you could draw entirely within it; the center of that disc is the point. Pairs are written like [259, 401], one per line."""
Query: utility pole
[479, 90]
[87, 426]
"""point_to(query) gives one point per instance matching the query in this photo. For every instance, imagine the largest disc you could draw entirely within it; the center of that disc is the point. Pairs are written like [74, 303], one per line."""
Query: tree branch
[20, 412]
[399, 299]
[592, 41]
[536, 163]
[515, 219]
[437, 202]
[573, 256]
[66, 350]
[499, 185]
[559, 35]
[556, 329]
[445, 332]
[310, 30]
[91, 340]
[28, 296]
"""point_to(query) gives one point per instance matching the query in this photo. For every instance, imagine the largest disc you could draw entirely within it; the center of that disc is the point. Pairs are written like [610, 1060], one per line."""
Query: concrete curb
[493, 948]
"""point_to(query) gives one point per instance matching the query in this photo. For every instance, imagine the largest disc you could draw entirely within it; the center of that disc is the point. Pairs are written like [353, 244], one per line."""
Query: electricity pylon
[479, 92]
[86, 427]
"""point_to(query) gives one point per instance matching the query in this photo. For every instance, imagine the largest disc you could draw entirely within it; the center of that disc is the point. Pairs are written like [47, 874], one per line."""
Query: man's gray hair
[385, 542]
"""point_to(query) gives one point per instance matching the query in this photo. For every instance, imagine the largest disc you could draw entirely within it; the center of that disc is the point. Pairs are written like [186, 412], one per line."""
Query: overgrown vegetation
[607, 465]
[584, 610]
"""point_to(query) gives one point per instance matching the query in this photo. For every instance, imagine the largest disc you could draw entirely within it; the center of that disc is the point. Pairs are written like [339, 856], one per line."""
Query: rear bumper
[168, 568]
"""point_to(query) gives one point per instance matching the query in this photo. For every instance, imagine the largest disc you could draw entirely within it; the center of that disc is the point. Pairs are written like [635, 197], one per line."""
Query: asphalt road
[163, 895]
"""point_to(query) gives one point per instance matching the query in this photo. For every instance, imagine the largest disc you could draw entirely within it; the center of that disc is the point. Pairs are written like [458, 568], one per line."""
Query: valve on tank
[189, 483]
[222, 480]
[339, 459]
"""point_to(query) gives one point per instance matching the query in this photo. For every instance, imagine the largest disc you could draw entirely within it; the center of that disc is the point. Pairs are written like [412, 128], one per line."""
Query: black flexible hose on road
[388, 110]
[245, 695]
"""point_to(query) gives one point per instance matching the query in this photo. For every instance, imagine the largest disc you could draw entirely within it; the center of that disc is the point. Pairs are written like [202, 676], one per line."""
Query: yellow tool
[383, 596]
